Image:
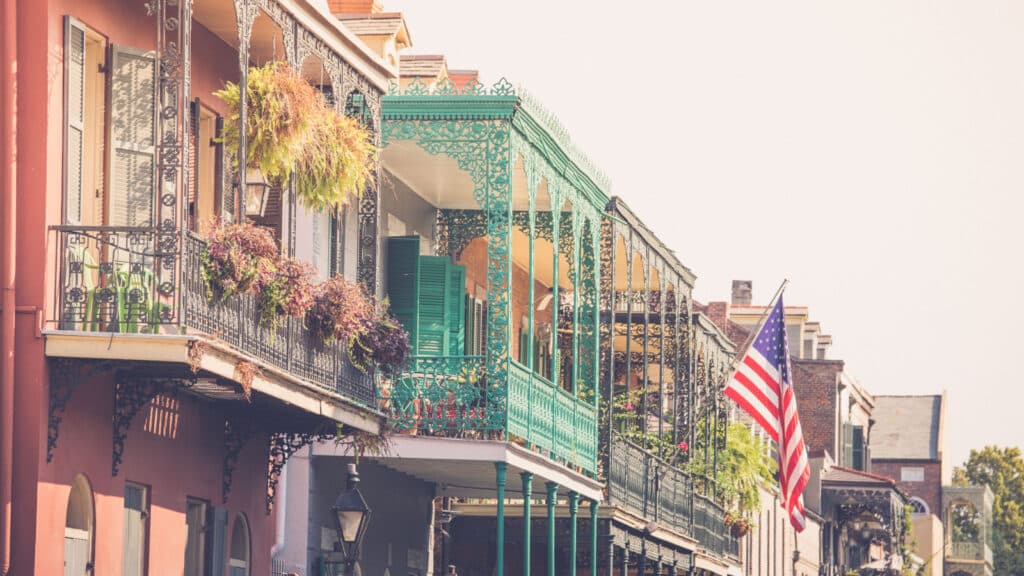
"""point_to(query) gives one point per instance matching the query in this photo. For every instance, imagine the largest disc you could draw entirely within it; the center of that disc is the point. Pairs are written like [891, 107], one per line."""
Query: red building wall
[930, 490]
[186, 458]
[814, 382]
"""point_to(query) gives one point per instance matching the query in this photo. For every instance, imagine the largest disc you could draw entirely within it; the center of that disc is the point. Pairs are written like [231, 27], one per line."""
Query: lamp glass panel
[349, 522]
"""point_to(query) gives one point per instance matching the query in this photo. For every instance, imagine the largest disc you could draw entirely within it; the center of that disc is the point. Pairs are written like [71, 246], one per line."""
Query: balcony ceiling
[435, 178]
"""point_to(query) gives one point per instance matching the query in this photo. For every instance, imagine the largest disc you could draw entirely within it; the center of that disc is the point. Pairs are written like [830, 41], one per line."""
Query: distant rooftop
[906, 428]
[421, 65]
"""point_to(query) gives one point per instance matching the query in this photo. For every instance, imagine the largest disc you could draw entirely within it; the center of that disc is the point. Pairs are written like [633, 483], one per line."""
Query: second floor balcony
[491, 234]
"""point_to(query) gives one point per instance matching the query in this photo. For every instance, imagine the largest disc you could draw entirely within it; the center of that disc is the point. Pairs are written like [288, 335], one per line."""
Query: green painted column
[593, 538]
[501, 471]
[527, 495]
[552, 497]
[574, 508]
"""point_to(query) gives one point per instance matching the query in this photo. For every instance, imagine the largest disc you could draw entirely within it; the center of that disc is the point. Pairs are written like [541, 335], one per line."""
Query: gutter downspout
[8, 233]
[281, 514]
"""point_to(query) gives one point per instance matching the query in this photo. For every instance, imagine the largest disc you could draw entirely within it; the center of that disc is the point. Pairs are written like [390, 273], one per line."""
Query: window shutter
[456, 308]
[433, 307]
[74, 114]
[858, 448]
[403, 254]
[193, 174]
[133, 79]
[218, 542]
[470, 348]
[133, 547]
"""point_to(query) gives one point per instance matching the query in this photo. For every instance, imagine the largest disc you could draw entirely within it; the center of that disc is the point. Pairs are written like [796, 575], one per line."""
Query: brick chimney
[718, 312]
[355, 6]
[461, 78]
[742, 292]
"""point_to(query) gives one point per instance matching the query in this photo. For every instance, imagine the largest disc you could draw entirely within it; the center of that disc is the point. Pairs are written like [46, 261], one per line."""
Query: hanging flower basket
[385, 343]
[290, 127]
[341, 311]
[234, 258]
[285, 288]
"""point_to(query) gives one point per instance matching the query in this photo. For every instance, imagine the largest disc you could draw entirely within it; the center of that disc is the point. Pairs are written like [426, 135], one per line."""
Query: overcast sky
[872, 152]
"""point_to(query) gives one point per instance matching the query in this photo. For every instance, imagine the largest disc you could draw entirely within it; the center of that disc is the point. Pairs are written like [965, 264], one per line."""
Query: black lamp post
[352, 516]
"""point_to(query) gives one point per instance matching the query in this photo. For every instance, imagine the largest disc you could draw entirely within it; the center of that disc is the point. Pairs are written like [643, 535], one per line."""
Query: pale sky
[872, 152]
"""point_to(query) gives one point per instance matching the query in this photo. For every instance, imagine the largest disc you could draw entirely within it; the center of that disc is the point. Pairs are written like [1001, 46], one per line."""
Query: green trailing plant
[743, 468]
[628, 420]
[291, 128]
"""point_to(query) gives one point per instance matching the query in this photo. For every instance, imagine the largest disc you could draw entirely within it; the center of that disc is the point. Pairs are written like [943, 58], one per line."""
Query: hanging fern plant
[290, 127]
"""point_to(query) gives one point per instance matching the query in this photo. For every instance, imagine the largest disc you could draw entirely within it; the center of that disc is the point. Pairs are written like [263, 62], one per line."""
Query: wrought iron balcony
[453, 396]
[968, 551]
[658, 491]
[133, 280]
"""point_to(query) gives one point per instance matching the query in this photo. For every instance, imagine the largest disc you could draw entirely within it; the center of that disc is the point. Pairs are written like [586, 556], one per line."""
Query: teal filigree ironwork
[485, 131]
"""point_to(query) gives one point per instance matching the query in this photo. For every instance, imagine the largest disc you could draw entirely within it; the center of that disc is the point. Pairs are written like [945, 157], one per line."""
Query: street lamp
[352, 516]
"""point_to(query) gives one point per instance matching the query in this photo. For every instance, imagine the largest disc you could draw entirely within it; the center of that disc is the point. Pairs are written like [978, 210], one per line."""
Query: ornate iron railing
[969, 551]
[109, 282]
[548, 417]
[658, 491]
[452, 396]
[442, 395]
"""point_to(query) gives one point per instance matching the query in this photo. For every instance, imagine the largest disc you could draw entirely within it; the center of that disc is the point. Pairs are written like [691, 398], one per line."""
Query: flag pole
[753, 333]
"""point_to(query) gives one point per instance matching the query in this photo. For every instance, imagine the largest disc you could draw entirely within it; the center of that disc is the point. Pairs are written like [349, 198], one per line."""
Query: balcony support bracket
[66, 375]
[131, 393]
[237, 432]
[282, 446]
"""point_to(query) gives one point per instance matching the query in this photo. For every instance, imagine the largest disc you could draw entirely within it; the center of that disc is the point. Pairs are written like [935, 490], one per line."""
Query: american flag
[763, 386]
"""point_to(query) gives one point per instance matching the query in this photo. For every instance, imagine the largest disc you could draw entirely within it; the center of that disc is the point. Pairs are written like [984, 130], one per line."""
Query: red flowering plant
[234, 258]
[386, 343]
[284, 288]
[341, 311]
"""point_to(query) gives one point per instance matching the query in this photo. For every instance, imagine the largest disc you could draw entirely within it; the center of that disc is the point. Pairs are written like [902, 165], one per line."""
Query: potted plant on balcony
[385, 343]
[290, 127]
[341, 311]
[284, 288]
[234, 258]
[744, 467]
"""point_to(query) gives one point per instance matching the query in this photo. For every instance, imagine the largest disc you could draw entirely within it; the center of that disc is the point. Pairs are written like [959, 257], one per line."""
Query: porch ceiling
[435, 178]
[465, 467]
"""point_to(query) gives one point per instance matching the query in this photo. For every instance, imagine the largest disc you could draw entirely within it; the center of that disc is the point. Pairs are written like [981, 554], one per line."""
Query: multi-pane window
[195, 538]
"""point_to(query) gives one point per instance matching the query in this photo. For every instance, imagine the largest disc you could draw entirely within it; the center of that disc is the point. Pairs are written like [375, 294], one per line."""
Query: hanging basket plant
[235, 257]
[285, 288]
[385, 343]
[290, 127]
[341, 311]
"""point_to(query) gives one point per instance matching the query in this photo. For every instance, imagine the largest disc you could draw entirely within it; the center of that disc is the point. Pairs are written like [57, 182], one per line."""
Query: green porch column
[574, 508]
[527, 495]
[552, 497]
[593, 538]
[501, 470]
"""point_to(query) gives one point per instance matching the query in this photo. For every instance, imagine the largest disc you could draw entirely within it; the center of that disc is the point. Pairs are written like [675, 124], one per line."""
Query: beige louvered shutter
[74, 114]
[133, 80]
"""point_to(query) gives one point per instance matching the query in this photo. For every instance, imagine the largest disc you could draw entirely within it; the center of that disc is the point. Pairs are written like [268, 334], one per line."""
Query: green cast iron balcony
[452, 396]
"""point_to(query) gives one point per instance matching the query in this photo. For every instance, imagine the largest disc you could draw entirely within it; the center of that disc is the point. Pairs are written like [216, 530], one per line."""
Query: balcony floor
[465, 468]
[217, 359]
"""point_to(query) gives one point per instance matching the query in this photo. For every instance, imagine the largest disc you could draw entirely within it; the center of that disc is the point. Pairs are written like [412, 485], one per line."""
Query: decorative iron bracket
[131, 393]
[66, 375]
[282, 446]
[237, 433]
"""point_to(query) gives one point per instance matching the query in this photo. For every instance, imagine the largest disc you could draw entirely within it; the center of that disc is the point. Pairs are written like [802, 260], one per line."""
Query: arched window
[238, 565]
[78, 529]
[919, 506]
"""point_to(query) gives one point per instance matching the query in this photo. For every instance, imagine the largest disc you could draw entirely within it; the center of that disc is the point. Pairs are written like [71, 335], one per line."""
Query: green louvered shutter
[403, 283]
[456, 309]
[470, 341]
[74, 111]
[433, 306]
[133, 79]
